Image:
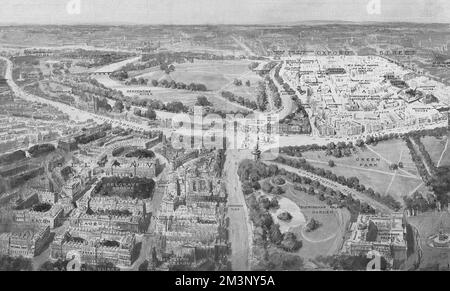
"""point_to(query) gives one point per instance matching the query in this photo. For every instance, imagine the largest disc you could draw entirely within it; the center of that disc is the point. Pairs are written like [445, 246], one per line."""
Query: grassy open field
[375, 173]
[395, 151]
[326, 240]
[188, 98]
[248, 92]
[435, 147]
[216, 75]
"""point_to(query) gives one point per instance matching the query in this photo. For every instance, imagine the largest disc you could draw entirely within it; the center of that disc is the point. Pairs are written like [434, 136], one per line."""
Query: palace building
[384, 234]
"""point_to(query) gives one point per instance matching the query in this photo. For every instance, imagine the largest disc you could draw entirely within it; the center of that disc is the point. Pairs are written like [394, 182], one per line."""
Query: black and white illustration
[224, 135]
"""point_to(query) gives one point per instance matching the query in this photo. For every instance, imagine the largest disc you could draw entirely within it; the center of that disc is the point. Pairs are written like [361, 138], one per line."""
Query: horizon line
[291, 23]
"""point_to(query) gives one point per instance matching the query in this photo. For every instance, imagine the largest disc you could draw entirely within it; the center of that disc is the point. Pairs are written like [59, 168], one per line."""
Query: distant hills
[286, 24]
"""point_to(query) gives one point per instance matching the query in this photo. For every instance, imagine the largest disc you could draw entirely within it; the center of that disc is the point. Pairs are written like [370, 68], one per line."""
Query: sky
[219, 11]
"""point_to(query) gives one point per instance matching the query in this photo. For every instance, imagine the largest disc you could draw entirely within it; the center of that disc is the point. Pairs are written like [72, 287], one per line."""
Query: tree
[253, 65]
[261, 96]
[127, 106]
[312, 225]
[266, 187]
[201, 87]
[118, 106]
[275, 234]
[393, 167]
[290, 242]
[331, 146]
[347, 152]
[372, 232]
[137, 112]
[41, 149]
[264, 202]
[247, 83]
[285, 216]
[247, 188]
[47, 266]
[155, 83]
[118, 151]
[369, 140]
[331, 163]
[203, 101]
[143, 266]
[15, 264]
[277, 190]
[150, 114]
[142, 81]
[337, 153]
[266, 220]
[120, 75]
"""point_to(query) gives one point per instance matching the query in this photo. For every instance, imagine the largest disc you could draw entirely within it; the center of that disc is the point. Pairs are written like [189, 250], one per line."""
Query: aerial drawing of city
[207, 135]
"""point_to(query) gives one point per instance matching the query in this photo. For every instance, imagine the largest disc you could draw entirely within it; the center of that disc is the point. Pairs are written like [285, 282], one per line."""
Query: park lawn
[213, 74]
[188, 98]
[446, 158]
[212, 80]
[151, 74]
[223, 105]
[435, 146]
[390, 151]
[353, 161]
[376, 177]
[312, 250]
[377, 181]
[147, 73]
[324, 240]
[300, 198]
[396, 151]
[248, 93]
[403, 186]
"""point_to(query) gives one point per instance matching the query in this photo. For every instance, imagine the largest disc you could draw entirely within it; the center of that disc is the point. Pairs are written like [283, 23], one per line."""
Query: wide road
[240, 229]
[336, 186]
